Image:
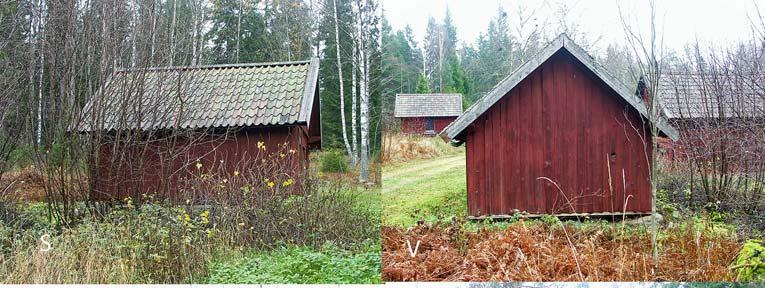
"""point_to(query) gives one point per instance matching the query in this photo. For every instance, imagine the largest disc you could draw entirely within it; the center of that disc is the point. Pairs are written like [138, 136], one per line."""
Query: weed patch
[539, 252]
[301, 265]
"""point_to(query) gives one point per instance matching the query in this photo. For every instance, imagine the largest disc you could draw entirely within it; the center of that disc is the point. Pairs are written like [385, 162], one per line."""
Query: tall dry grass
[399, 147]
[557, 252]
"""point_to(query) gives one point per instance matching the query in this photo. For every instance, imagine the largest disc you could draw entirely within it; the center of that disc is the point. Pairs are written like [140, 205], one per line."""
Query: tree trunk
[238, 30]
[41, 31]
[342, 89]
[172, 33]
[364, 99]
[354, 97]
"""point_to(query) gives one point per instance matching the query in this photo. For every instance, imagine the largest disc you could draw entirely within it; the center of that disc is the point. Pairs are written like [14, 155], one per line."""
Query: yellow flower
[288, 182]
[271, 184]
[241, 224]
[282, 155]
[186, 217]
[205, 217]
[236, 173]
[292, 151]
[225, 180]
[261, 145]
[199, 165]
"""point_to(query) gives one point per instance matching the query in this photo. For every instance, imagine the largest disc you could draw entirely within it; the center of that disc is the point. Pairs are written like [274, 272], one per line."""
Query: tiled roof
[205, 97]
[686, 96]
[428, 105]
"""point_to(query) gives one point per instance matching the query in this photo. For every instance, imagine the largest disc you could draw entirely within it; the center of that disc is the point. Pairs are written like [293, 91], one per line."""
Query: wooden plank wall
[148, 170]
[565, 124]
[417, 125]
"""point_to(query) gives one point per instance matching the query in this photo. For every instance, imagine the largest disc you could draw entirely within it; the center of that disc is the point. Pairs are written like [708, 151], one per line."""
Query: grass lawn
[424, 190]
[300, 265]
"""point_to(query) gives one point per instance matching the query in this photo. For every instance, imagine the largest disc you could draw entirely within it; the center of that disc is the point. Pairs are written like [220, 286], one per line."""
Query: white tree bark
[354, 97]
[364, 97]
[441, 32]
[172, 33]
[239, 30]
[41, 31]
[342, 89]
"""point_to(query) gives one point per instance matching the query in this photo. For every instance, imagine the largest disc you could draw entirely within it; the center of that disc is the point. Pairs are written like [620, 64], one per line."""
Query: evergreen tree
[422, 85]
[400, 68]
[328, 76]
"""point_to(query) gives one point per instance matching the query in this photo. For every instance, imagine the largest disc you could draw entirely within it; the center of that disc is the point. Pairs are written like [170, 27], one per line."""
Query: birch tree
[341, 85]
[365, 20]
[354, 102]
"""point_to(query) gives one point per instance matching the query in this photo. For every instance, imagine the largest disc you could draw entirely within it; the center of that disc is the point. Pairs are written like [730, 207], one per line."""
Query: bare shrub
[263, 202]
[716, 99]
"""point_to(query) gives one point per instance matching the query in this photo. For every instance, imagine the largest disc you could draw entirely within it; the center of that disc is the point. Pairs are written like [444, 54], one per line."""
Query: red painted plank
[562, 123]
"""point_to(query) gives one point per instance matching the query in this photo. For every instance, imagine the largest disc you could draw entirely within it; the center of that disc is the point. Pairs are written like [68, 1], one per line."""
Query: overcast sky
[682, 21]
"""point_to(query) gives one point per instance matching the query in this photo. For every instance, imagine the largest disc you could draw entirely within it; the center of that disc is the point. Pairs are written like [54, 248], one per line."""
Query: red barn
[558, 136]
[720, 117]
[159, 126]
[427, 114]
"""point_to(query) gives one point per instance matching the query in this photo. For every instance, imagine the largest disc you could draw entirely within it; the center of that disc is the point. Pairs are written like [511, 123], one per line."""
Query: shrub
[333, 161]
[301, 265]
[153, 243]
[750, 262]
[260, 205]
[22, 156]
[261, 213]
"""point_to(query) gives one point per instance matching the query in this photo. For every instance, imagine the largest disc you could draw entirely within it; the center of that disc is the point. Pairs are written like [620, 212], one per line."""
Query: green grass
[301, 265]
[424, 192]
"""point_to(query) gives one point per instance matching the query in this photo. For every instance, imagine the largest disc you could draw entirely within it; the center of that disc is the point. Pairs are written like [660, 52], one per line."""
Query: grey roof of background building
[236, 95]
[693, 96]
[428, 105]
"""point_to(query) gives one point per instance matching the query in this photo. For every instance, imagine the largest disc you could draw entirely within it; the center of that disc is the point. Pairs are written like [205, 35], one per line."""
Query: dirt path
[395, 179]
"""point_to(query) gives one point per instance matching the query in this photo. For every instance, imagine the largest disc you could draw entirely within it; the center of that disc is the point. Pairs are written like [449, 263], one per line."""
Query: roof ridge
[562, 42]
[213, 66]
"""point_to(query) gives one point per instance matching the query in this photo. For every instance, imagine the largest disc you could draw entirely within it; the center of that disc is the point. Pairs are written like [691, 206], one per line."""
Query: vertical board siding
[417, 125]
[148, 170]
[563, 123]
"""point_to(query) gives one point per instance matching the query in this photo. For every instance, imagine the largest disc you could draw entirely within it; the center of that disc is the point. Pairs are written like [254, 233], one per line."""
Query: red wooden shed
[558, 136]
[426, 114]
[718, 116]
[160, 126]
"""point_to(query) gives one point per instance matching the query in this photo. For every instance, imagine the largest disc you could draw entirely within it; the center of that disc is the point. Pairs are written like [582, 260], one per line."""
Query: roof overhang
[309, 92]
[562, 42]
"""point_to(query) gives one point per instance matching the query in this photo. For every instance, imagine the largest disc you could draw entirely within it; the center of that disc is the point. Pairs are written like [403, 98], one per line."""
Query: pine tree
[422, 85]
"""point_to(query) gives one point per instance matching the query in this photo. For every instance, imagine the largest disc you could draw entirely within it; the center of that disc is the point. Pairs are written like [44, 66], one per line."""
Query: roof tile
[428, 105]
[203, 96]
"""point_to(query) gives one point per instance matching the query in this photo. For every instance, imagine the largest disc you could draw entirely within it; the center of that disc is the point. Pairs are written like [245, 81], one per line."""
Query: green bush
[333, 161]
[22, 156]
[750, 262]
[302, 265]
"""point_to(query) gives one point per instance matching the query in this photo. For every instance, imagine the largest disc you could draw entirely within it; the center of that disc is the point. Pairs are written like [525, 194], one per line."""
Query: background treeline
[443, 63]
[54, 55]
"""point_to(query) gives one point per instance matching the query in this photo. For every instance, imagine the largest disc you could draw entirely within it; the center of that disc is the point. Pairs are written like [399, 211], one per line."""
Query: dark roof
[205, 97]
[692, 96]
[562, 42]
[428, 105]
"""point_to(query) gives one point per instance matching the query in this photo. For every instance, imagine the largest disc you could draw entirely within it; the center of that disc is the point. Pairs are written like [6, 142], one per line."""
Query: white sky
[682, 21]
